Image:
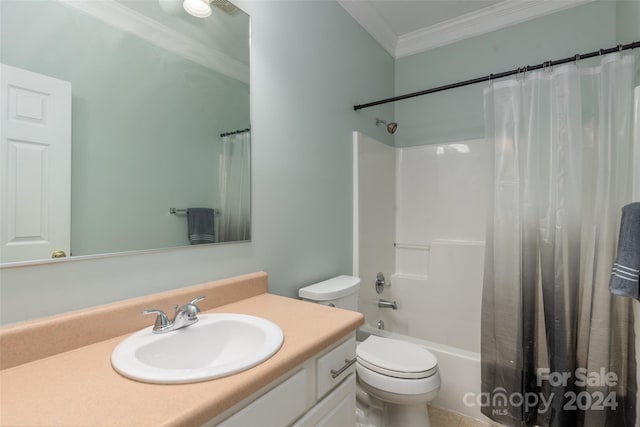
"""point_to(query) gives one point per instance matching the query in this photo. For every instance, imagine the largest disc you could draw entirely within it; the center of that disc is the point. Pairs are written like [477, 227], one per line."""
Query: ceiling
[227, 34]
[220, 42]
[407, 27]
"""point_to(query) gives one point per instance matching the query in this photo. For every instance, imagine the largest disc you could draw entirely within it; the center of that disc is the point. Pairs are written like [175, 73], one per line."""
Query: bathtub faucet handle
[381, 283]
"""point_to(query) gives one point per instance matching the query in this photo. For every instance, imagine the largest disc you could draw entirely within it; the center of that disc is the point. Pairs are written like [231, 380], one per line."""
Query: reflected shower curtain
[553, 337]
[235, 188]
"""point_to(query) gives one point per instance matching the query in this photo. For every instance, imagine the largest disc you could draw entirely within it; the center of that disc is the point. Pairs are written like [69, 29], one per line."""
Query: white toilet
[396, 379]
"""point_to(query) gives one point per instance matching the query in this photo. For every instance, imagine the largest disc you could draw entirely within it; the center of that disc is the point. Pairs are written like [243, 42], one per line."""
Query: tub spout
[383, 303]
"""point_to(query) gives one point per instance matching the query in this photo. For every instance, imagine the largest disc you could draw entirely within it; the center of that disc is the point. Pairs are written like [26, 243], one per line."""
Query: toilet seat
[394, 358]
[397, 368]
[398, 390]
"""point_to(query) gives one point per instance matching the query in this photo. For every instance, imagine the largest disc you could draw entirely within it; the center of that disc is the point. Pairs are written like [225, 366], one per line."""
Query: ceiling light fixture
[197, 8]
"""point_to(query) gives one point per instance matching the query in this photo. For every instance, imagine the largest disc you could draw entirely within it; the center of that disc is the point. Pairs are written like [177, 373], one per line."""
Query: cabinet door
[277, 408]
[337, 409]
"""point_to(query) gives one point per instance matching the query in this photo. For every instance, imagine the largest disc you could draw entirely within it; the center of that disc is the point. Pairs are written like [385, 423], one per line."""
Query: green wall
[628, 27]
[457, 114]
[311, 62]
[628, 21]
[145, 124]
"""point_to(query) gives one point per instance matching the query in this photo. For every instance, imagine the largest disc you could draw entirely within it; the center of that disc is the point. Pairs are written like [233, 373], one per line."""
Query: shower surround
[419, 217]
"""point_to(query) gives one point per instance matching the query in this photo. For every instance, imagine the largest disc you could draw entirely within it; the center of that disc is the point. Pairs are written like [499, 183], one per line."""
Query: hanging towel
[200, 223]
[626, 269]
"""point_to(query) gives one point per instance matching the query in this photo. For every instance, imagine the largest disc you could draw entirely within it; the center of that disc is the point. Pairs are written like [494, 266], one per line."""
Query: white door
[35, 165]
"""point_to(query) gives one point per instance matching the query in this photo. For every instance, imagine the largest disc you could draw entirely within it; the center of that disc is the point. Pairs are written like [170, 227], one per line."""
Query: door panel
[35, 174]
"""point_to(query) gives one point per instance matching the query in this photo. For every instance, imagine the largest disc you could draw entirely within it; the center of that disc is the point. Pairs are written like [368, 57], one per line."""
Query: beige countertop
[80, 388]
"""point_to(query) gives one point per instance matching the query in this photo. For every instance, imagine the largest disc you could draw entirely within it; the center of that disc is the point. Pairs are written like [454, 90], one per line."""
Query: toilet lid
[396, 358]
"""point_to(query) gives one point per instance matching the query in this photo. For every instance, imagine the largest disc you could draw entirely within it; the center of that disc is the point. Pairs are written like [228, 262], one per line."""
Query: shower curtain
[557, 348]
[235, 188]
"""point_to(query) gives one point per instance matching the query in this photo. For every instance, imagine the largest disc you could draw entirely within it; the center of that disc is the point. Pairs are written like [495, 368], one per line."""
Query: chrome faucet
[383, 303]
[183, 317]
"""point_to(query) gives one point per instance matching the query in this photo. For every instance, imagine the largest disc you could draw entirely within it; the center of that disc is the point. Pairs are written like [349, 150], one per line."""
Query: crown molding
[482, 21]
[132, 22]
[372, 22]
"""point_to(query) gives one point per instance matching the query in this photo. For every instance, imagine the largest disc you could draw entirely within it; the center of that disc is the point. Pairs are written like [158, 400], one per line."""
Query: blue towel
[200, 223]
[626, 270]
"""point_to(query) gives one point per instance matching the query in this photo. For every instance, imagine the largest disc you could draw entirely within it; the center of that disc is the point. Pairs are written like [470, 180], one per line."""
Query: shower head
[391, 127]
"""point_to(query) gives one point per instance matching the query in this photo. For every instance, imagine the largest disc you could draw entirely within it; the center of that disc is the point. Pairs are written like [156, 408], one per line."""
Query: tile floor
[443, 418]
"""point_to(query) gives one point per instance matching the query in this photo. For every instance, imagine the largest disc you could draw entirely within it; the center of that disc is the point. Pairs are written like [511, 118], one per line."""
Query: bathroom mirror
[152, 104]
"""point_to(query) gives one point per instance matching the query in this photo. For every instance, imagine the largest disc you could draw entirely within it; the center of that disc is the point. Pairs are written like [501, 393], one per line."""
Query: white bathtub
[459, 370]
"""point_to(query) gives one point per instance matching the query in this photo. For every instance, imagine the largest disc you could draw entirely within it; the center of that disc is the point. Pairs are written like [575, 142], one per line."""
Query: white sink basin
[218, 345]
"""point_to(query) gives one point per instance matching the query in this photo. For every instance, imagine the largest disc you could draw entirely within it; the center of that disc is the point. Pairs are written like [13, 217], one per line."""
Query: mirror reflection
[125, 126]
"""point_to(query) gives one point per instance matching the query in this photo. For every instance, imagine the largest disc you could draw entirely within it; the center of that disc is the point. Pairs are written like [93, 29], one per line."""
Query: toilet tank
[341, 292]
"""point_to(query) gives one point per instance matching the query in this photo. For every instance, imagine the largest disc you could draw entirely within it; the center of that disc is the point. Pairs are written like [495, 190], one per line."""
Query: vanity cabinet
[337, 409]
[320, 392]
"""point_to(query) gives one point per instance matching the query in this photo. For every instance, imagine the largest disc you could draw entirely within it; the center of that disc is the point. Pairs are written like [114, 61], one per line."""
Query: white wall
[310, 63]
[440, 231]
[374, 216]
[437, 223]
[442, 191]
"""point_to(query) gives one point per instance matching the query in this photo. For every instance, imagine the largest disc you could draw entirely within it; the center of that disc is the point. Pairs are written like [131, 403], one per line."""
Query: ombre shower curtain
[235, 188]
[557, 348]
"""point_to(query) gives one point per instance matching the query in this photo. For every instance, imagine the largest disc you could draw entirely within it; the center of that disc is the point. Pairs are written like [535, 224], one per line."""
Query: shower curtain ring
[577, 58]
[521, 73]
[619, 48]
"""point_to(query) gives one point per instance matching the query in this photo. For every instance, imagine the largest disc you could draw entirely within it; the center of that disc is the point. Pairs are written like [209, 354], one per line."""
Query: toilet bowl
[395, 378]
[402, 376]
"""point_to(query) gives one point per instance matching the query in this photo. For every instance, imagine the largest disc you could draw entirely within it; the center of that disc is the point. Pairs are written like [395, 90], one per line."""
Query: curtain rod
[490, 77]
[235, 132]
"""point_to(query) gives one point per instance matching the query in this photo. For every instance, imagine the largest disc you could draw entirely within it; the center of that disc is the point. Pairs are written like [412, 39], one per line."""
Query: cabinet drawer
[334, 366]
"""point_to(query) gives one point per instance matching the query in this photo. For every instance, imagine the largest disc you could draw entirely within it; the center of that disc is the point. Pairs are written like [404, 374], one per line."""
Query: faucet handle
[162, 321]
[197, 299]
[190, 310]
[381, 283]
[177, 308]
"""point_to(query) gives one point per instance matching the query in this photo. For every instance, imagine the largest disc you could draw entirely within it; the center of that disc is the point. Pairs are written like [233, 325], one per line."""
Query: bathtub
[459, 370]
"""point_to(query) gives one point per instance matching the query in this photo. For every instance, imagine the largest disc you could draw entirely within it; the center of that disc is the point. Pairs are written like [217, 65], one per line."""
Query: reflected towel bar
[182, 211]
[417, 246]
[235, 132]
